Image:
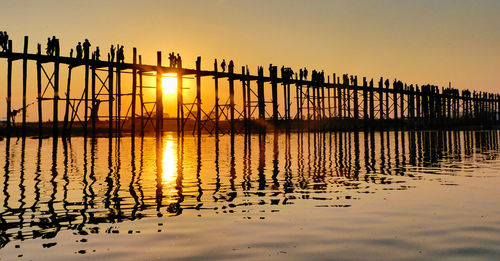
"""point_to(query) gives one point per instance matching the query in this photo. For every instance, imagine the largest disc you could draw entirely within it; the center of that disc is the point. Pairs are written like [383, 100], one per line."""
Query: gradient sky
[418, 42]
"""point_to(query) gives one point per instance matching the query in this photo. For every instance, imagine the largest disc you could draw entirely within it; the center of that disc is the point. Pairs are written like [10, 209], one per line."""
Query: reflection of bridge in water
[326, 102]
[82, 183]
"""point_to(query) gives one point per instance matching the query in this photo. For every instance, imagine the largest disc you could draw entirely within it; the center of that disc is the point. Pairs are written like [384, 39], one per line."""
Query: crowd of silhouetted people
[83, 52]
[4, 41]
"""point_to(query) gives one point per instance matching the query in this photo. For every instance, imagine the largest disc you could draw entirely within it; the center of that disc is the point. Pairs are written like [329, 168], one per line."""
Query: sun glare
[169, 83]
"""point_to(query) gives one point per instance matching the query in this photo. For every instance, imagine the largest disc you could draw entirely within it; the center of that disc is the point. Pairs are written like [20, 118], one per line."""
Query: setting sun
[169, 83]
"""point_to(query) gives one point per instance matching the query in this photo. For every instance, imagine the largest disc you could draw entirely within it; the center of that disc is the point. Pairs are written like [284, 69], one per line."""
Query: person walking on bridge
[112, 51]
[79, 51]
[86, 49]
[223, 65]
[179, 61]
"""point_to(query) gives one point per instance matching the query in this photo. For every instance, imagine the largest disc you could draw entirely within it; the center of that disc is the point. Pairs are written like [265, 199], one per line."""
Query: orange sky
[415, 41]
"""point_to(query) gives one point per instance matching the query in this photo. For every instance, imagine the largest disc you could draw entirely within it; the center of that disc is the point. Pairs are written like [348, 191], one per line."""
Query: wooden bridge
[326, 103]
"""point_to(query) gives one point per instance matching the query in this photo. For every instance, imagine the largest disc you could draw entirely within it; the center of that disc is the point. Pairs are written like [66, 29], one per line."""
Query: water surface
[310, 196]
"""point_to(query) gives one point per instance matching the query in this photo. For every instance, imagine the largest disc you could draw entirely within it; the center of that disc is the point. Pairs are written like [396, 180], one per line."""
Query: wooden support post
[308, 101]
[180, 103]
[347, 97]
[86, 101]
[68, 103]
[411, 103]
[315, 101]
[356, 102]
[288, 101]
[231, 94]
[55, 122]
[365, 99]
[216, 79]
[243, 87]
[134, 89]
[111, 99]
[93, 112]
[273, 73]
[381, 97]
[323, 113]
[159, 95]
[25, 73]
[141, 96]
[118, 126]
[387, 103]
[9, 89]
[329, 99]
[402, 102]
[260, 94]
[372, 102]
[285, 112]
[300, 101]
[417, 98]
[39, 91]
[249, 99]
[338, 92]
[395, 88]
[198, 94]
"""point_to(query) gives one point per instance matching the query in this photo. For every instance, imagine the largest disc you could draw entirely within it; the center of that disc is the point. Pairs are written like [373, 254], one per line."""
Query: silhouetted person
[301, 74]
[97, 53]
[305, 73]
[55, 45]
[3, 41]
[86, 49]
[71, 53]
[48, 49]
[179, 61]
[171, 58]
[120, 56]
[223, 65]
[112, 51]
[79, 51]
[230, 67]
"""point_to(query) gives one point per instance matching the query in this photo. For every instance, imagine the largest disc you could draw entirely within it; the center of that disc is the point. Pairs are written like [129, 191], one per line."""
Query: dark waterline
[339, 195]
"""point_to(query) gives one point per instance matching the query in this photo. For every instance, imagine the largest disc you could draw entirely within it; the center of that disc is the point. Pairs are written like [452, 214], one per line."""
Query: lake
[408, 195]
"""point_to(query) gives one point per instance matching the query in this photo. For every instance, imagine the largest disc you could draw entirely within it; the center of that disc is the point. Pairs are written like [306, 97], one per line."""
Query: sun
[169, 83]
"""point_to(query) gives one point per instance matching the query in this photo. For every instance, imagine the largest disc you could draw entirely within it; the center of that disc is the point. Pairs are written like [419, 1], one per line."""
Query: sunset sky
[416, 41]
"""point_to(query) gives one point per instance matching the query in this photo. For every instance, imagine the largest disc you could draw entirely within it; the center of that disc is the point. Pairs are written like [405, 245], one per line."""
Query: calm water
[323, 196]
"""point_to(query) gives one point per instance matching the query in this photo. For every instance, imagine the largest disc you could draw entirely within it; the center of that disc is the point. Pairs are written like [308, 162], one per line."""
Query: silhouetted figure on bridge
[230, 67]
[305, 73]
[48, 49]
[86, 49]
[112, 52]
[55, 45]
[120, 56]
[172, 59]
[4, 41]
[71, 53]
[79, 51]
[178, 61]
[301, 74]
[223, 65]
[97, 53]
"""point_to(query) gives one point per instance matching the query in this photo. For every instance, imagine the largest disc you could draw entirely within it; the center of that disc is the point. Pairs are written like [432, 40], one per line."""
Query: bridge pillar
[216, 79]
[25, 62]
[159, 95]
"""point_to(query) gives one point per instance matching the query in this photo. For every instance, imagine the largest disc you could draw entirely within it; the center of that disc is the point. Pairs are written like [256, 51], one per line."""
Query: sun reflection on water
[169, 162]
